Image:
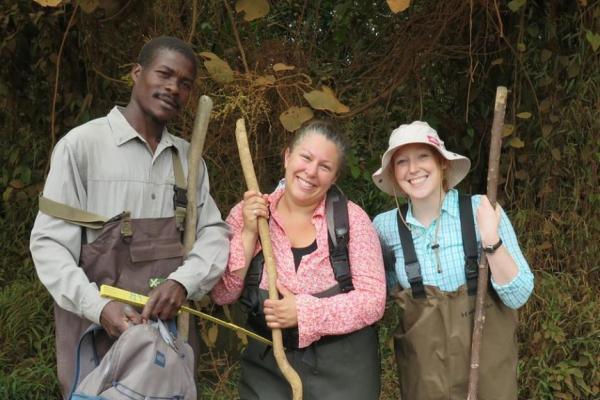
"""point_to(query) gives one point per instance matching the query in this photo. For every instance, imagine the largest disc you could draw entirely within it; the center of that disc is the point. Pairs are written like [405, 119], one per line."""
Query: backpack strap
[411, 262]
[86, 358]
[467, 226]
[336, 210]
[250, 298]
[336, 213]
[180, 191]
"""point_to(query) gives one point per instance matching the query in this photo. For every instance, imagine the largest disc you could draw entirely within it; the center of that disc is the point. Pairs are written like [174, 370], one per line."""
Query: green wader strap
[71, 214]
[180, 195]
[94, 221]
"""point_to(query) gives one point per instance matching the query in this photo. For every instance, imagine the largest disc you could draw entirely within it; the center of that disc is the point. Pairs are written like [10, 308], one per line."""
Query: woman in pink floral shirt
[328, 333]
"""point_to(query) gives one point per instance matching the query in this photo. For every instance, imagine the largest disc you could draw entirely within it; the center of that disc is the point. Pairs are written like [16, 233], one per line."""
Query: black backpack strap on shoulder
[338, 227]
[467, 226]
[411, 262]
[250, 296]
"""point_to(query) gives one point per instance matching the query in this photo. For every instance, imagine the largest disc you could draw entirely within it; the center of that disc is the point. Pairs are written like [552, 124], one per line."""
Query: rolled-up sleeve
[55, 245]
[516, 292]
[204, 264]
[363, 306]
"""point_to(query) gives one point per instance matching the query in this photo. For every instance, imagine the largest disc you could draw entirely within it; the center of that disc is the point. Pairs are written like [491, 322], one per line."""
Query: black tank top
[300, 252]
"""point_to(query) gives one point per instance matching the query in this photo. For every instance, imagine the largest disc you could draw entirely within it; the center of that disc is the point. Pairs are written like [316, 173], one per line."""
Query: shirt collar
[449, 206]
[123, 132]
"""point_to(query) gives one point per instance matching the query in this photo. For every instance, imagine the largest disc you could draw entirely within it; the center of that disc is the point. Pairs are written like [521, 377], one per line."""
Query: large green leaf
[593, 39]
[515, 5]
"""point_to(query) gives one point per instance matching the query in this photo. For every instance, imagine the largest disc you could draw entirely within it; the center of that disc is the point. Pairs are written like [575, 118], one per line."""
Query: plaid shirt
[513, 294]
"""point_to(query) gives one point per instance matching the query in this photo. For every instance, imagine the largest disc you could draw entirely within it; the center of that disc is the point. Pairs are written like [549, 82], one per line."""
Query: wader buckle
[126, 228]
[413, 272]
[415, 279]
[180, 204]
[471, 273]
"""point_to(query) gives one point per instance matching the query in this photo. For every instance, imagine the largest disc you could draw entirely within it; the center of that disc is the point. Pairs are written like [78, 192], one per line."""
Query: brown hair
[326, 129]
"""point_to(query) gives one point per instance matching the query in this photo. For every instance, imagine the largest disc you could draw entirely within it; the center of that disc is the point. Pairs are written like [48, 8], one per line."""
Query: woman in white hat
[433, 243]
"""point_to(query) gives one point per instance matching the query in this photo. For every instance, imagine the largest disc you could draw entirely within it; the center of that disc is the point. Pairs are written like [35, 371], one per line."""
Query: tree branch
[237, 36]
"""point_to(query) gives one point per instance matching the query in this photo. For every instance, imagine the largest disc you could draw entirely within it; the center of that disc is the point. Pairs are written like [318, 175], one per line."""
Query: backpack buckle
[341, 272]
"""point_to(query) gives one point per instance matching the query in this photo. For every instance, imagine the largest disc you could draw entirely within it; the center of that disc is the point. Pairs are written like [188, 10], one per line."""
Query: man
[126, 161]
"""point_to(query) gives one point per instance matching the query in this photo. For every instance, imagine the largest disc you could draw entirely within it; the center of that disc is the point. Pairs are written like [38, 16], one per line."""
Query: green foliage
[569, 326]
[27, 358]
[437, 61]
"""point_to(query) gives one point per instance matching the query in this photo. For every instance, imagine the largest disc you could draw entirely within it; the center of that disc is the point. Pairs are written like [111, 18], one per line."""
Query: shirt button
[153, 196]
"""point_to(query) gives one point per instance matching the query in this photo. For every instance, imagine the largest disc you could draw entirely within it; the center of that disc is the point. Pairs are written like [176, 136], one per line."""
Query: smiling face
[163, 87]
[418, 170]
[311, 167]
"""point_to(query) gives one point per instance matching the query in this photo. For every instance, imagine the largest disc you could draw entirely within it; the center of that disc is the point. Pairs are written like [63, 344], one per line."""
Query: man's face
[163, 87]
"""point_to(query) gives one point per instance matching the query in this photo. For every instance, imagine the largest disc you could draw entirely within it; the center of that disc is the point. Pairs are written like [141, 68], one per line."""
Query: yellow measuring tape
[138, 300]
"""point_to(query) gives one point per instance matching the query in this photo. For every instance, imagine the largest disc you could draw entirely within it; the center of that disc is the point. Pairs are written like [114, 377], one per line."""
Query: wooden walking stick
[265, 240]
[482, 279]
[191, 212]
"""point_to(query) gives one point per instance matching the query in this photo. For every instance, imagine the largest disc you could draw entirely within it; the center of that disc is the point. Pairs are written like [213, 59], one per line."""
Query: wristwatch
[491, 249]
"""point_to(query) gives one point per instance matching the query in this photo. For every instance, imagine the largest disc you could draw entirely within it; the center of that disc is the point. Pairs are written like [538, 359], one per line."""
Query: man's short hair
[154, 46]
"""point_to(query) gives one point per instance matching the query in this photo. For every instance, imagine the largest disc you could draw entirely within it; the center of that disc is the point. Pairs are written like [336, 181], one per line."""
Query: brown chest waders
[433, 341]
[132, 254]
[344, 367]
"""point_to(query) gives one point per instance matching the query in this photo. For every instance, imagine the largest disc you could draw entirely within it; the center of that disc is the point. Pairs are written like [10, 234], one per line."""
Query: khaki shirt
[105, 167]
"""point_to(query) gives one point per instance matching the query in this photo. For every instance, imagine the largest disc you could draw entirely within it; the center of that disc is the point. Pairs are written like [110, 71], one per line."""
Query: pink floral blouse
[317, 317]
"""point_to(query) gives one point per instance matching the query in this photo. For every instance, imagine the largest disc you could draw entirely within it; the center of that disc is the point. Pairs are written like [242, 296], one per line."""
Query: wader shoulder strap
[467, 226]
[336, 213]
[411, 262]
[180, 191]
[71, 214]
[94, 221]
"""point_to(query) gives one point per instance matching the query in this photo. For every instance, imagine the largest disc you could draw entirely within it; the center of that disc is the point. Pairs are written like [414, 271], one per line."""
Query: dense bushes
[438, 61]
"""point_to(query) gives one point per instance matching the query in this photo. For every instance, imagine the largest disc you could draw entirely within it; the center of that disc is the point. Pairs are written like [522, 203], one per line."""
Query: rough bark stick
[482, 279]
[191, 212]
[265, 239]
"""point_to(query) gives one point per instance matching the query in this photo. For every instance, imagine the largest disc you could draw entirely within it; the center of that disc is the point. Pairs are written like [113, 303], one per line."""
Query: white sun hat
[418, 132]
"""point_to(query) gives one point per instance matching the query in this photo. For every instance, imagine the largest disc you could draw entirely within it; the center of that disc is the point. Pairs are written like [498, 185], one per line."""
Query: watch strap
[492, 248]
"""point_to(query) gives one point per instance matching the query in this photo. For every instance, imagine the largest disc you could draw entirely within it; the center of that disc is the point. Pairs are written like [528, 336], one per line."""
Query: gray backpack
[146, 362]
